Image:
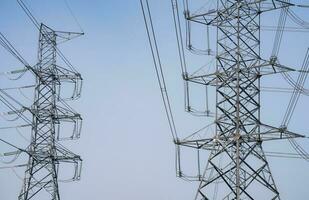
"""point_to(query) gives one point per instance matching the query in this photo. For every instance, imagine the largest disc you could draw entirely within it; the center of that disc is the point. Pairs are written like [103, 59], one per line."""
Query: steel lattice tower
[237, 164]
[45, 153]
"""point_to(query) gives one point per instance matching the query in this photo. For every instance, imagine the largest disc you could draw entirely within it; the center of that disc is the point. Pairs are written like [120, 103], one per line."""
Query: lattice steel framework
[49, 112]
[237, 166]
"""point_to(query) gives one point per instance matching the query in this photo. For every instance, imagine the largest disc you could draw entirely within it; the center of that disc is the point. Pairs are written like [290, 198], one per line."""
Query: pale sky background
[126, 144]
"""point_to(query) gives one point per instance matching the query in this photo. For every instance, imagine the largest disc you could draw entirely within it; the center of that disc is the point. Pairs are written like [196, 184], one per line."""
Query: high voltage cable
[158, 66]
[298, 86]
[183, 63]
[297, 19]
[10, 48]
[292, 105]
[73, 15]
[7, 45]
[178, 32]
[296, 93]
[180, 45]
[17, 88]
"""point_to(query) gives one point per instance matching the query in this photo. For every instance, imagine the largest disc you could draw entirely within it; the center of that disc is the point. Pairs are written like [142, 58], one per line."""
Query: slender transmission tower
[49, 112]
[51, 120]
[237, 167]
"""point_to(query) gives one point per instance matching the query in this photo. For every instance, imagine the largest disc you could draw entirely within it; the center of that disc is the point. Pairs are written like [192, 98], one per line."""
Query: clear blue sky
[126, 145]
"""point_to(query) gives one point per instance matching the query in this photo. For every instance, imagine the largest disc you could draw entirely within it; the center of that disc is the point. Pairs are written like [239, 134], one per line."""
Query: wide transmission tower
[237, 167]
[237, 159]
[49, 112]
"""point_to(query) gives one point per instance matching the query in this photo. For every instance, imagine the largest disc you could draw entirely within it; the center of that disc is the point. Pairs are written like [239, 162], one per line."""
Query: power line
[158, 66]
[73, 15]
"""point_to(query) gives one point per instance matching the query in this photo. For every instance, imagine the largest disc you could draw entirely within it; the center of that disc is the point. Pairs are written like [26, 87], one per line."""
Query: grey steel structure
[49, 112]
[237, 167]
[50, 118]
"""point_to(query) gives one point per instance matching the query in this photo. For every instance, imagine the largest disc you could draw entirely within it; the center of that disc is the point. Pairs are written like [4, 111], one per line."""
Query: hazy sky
[126, 144]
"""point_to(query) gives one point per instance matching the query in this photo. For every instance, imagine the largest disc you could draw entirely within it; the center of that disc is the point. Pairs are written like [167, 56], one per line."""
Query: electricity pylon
[237, 165]
[49, 112]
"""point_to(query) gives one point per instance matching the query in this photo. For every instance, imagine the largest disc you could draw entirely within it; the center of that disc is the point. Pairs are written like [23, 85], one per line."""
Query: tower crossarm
[266, 133]
[64, 36]
[214, 17]
[257, 69]
[63, 74]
